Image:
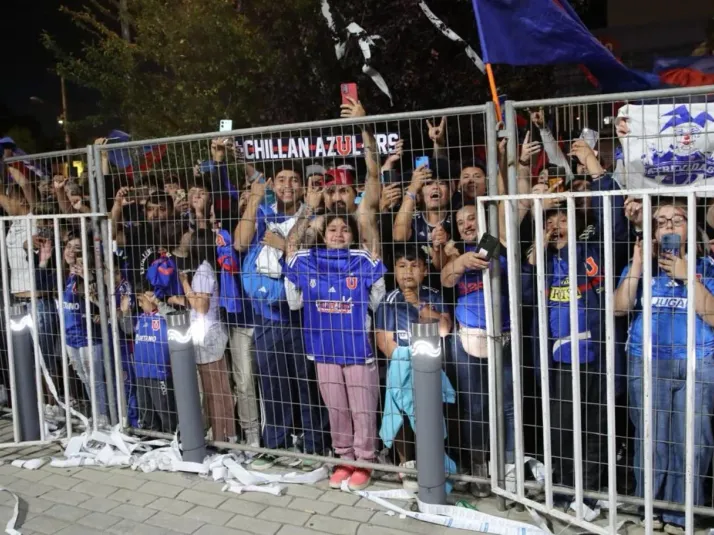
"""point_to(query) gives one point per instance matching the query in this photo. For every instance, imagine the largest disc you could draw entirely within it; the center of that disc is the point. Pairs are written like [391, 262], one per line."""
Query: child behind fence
[155, 391]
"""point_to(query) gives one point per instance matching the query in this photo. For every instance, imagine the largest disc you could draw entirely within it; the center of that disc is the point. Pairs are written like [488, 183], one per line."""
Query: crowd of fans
[303, 280]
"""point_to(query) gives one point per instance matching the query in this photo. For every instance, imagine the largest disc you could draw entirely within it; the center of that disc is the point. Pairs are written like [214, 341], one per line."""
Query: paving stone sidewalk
[78, 501]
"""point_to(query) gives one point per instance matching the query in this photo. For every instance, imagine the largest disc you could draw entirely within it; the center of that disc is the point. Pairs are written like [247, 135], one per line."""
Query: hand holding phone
[421, 161]
[670, 244]
[488, 246]
[348, 91]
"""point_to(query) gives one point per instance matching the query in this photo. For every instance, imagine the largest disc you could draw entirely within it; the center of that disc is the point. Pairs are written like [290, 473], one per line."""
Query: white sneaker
[409, 481]
[51, 413]
[103, 421]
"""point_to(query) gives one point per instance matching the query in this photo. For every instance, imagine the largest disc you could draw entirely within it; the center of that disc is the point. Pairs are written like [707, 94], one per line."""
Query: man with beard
[141, 241]
[340, 190]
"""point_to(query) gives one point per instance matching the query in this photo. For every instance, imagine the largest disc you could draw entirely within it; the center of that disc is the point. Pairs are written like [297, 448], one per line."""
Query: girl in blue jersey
[338, 284]
[465, 272]
[75, 324]
[670, 293]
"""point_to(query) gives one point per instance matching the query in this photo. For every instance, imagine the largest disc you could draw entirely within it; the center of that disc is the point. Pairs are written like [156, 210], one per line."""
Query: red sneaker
[360, 479]
[341, 473]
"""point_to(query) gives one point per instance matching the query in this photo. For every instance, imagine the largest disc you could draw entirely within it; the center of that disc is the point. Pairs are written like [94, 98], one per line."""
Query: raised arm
[437, 134]
[246, 227]
[626, 293]
[403, 221]
[296, 236]
[27, 189]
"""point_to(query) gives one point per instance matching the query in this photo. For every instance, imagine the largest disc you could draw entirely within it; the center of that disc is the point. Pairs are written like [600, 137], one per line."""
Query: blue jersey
[396, 315]
[669, 317]
[335, 286]
[470, 303]
[588, 284]
[231, 296]
[421, 232]
[151, 347]
[162, 274]
[123, 288]
[75, 317]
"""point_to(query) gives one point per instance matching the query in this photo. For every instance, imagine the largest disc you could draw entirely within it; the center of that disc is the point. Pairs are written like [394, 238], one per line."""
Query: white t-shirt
[17, 256]
[205, 282]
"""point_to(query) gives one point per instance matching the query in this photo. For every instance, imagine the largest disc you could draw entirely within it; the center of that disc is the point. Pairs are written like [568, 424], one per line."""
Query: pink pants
[351, 394]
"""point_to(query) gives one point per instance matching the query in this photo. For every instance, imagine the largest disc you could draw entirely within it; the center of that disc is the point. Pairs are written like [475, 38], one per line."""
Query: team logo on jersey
[220, 240]
[155, 325]
[313, 283]
[351, 282]
[591, 268]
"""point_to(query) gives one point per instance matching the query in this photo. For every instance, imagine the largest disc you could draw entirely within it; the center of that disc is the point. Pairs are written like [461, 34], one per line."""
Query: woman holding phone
[670, 294]
[465, 271]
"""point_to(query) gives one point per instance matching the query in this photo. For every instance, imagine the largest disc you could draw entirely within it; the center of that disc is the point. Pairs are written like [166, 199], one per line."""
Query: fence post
[94, 199]
[24, 359]
[497, 457]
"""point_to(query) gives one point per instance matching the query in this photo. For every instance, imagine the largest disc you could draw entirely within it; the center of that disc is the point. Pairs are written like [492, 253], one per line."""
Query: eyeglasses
[677, 221]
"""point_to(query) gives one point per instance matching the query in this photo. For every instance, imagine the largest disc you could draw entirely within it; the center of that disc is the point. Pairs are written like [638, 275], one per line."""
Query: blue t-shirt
[470, 304]
[151, 347]
[669, 317]
[396, 315]
[75, 317]
[335, 286]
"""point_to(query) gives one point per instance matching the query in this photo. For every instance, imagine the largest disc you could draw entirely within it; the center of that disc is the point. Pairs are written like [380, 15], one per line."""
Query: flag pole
[494, 93]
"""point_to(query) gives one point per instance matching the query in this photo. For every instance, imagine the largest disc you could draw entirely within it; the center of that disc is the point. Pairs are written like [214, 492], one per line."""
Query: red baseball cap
[339, 177]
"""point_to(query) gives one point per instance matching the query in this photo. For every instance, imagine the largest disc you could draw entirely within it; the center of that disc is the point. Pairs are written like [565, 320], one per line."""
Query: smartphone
[421, 161]
[348, 91]
[226, 125]
[180, 195]
[138, 193]
[671, 243]
[390, 176]
[590, 136]
[490, 245]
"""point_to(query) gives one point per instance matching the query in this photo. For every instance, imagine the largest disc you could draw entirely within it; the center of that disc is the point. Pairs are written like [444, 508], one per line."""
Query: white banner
[312, 146]
[668, 144]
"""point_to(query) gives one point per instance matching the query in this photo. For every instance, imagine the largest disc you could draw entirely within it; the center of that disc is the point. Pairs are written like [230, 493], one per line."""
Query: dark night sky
[26, 69]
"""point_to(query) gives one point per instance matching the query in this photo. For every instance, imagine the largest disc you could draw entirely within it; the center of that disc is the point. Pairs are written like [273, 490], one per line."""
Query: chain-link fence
[303, 254]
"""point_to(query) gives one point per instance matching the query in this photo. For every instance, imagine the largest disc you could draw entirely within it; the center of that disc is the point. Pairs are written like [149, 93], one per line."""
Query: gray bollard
[186, 393]
[23, 356]
[428, 412]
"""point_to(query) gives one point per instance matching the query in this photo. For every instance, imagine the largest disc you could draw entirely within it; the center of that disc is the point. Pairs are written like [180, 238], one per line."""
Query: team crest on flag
[220, 240]
[351, 282]
[155, 325]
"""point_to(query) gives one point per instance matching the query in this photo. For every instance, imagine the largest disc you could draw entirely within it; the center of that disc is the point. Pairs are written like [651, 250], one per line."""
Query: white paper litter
[10, 526]
[31, 464]
[448, 515]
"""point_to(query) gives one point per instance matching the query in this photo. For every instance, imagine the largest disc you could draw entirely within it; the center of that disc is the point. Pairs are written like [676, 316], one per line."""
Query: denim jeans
[669, 427]
[48, 333]
[472, 388]
[79, 357]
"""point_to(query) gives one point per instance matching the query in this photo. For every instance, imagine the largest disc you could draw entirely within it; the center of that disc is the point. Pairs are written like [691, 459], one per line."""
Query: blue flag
[549, 32]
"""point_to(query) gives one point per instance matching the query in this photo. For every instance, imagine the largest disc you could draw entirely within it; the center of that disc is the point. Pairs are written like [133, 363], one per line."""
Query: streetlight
[62, 117]
[23, 358]
[428, 412]
[184, 373]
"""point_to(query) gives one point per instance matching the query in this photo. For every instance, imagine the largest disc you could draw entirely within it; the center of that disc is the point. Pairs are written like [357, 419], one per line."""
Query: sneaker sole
[360, 487]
